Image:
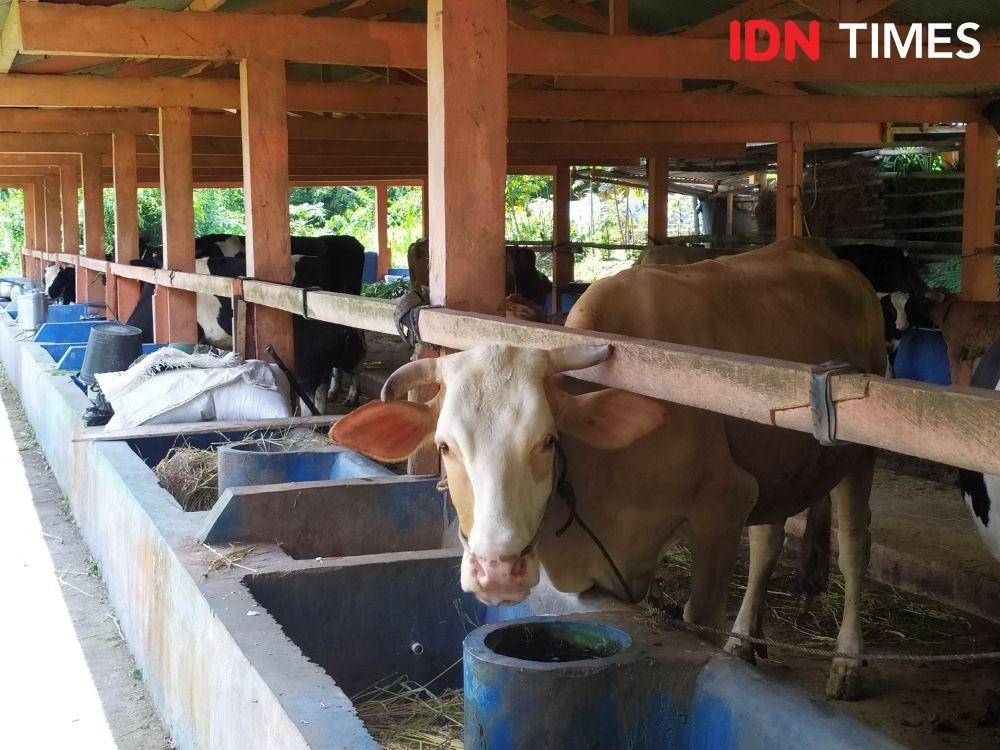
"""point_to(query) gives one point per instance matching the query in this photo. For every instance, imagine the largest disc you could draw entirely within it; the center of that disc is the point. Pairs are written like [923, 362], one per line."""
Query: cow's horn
[577, 357]
[409, 376]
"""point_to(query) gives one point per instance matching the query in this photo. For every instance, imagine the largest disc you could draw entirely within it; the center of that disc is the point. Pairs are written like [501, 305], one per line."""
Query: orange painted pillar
[93, 224]
[265, 184]
[467, 125]
[382, 230]
[789, 197]
[177, 189]
[562, 253]
[30, 239]
[425, 209]
[53, 220]
[69, 182]
[618, 17]
[979, 278]
[658, 179]
[126, 219]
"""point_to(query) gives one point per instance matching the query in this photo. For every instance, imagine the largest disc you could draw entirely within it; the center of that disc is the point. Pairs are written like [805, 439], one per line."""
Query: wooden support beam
[118, 32]
[425, 208]
[658, 178]
[979, 276]
[30, 238]
[382, 230]
[50, 28]
[265, 179]
[789, 197]
[467, 122]
[618, 17]
[93, 223]
[69, 184]
[53, 214]
[10, 41]
[126, 220]
[176, 185]
[524, 20]
[562, 253]
[730, 211]
[718, 25]
[607, 105]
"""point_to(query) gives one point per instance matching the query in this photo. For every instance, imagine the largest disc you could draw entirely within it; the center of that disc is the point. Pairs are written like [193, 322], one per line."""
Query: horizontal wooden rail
[68, 258]
[192, 282]
[956, 426]
[94, 264]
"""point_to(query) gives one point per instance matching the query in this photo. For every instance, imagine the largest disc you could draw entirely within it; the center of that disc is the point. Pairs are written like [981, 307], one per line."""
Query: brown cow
[647, 473]
[969, 328]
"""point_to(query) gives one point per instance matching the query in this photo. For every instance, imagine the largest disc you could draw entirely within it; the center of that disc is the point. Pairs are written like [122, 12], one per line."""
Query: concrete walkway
[67, 680]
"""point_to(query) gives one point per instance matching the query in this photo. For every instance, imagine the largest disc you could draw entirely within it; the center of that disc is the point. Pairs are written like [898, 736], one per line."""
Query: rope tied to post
[407, 316]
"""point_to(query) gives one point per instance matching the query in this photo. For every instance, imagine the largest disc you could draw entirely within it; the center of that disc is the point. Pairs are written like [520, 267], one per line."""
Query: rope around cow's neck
[561, 486]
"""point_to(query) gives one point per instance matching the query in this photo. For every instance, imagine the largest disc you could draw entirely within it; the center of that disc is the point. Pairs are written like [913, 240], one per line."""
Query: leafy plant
[392, 289]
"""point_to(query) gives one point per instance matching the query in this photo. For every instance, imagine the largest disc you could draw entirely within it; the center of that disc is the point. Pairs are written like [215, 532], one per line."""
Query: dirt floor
[920, 705]
[77, 684]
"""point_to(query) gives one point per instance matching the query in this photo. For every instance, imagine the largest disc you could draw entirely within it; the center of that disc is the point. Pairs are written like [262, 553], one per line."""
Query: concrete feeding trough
[264, 652]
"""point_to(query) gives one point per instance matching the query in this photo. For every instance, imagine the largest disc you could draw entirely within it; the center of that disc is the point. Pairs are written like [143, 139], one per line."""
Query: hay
[402, 715]
[191, 475]
[887, 615]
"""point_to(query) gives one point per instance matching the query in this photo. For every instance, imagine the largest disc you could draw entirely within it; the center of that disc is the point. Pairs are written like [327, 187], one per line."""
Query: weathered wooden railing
[955, 425]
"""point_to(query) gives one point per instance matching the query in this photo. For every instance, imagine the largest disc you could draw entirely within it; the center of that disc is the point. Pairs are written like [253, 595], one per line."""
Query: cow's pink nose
[502, 578]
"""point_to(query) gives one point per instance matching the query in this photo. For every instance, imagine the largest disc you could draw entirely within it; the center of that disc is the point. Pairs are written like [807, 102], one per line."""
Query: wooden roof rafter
[48, 28]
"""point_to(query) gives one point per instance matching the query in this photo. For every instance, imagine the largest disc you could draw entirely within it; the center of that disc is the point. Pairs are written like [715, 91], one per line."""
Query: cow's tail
[814, 554]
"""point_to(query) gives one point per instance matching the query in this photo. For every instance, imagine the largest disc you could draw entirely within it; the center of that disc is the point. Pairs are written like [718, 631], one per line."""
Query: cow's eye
[549, 442]
[443, 448]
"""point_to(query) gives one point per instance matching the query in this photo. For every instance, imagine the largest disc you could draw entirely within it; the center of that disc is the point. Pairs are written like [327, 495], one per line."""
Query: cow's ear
[609, 419]
[386, 430]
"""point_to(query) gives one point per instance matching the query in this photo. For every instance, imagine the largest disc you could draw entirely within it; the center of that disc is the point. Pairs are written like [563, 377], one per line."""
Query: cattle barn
[592, 515]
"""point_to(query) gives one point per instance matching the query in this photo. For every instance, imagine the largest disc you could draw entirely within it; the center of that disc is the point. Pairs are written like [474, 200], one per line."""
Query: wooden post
[657, 176]
[69, 184]
[382, 230]
[425, 208]
[467, 125]
[126, 218]
[93, 223]
[30, 238]
[177, 190]
[265, 184]
[979, 278]
[618, 17]
[789, 197]
[562, 254]
[730, 211]
[53, 216]
[33, 270]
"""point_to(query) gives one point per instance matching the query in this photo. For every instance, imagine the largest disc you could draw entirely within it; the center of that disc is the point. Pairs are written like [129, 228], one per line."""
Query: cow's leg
[853, 516]
[715, 532]
[337, 382]
[354, 391]
[321, 395]
[766, 543]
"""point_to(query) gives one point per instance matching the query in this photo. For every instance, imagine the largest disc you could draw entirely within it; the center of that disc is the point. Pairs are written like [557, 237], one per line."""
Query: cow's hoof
[844, 683]
[742, 649]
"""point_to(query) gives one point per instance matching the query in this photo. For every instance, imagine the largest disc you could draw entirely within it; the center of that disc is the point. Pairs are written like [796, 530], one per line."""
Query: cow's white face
[495, 421]
[50, 275]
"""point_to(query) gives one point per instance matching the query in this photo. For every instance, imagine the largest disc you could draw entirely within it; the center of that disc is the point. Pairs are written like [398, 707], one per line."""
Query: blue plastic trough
[250, 464]
[72, 360]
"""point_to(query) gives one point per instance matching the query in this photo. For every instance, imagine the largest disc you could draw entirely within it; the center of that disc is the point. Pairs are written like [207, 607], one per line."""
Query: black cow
[321, 348]
[982, 492]
[894, 276]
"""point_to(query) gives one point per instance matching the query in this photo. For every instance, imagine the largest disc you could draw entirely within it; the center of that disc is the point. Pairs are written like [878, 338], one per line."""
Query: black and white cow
[60, 284]
[898, 284]
[982, 491]
[321, 348]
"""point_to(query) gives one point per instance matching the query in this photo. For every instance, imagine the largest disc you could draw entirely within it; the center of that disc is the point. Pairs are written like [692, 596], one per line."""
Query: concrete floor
[68, 678]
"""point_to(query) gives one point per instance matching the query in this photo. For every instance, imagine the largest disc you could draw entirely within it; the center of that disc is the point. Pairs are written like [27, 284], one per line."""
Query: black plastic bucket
[110, 348]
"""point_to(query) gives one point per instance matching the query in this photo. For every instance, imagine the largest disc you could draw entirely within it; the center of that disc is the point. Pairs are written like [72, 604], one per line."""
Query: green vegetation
[601, 214]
